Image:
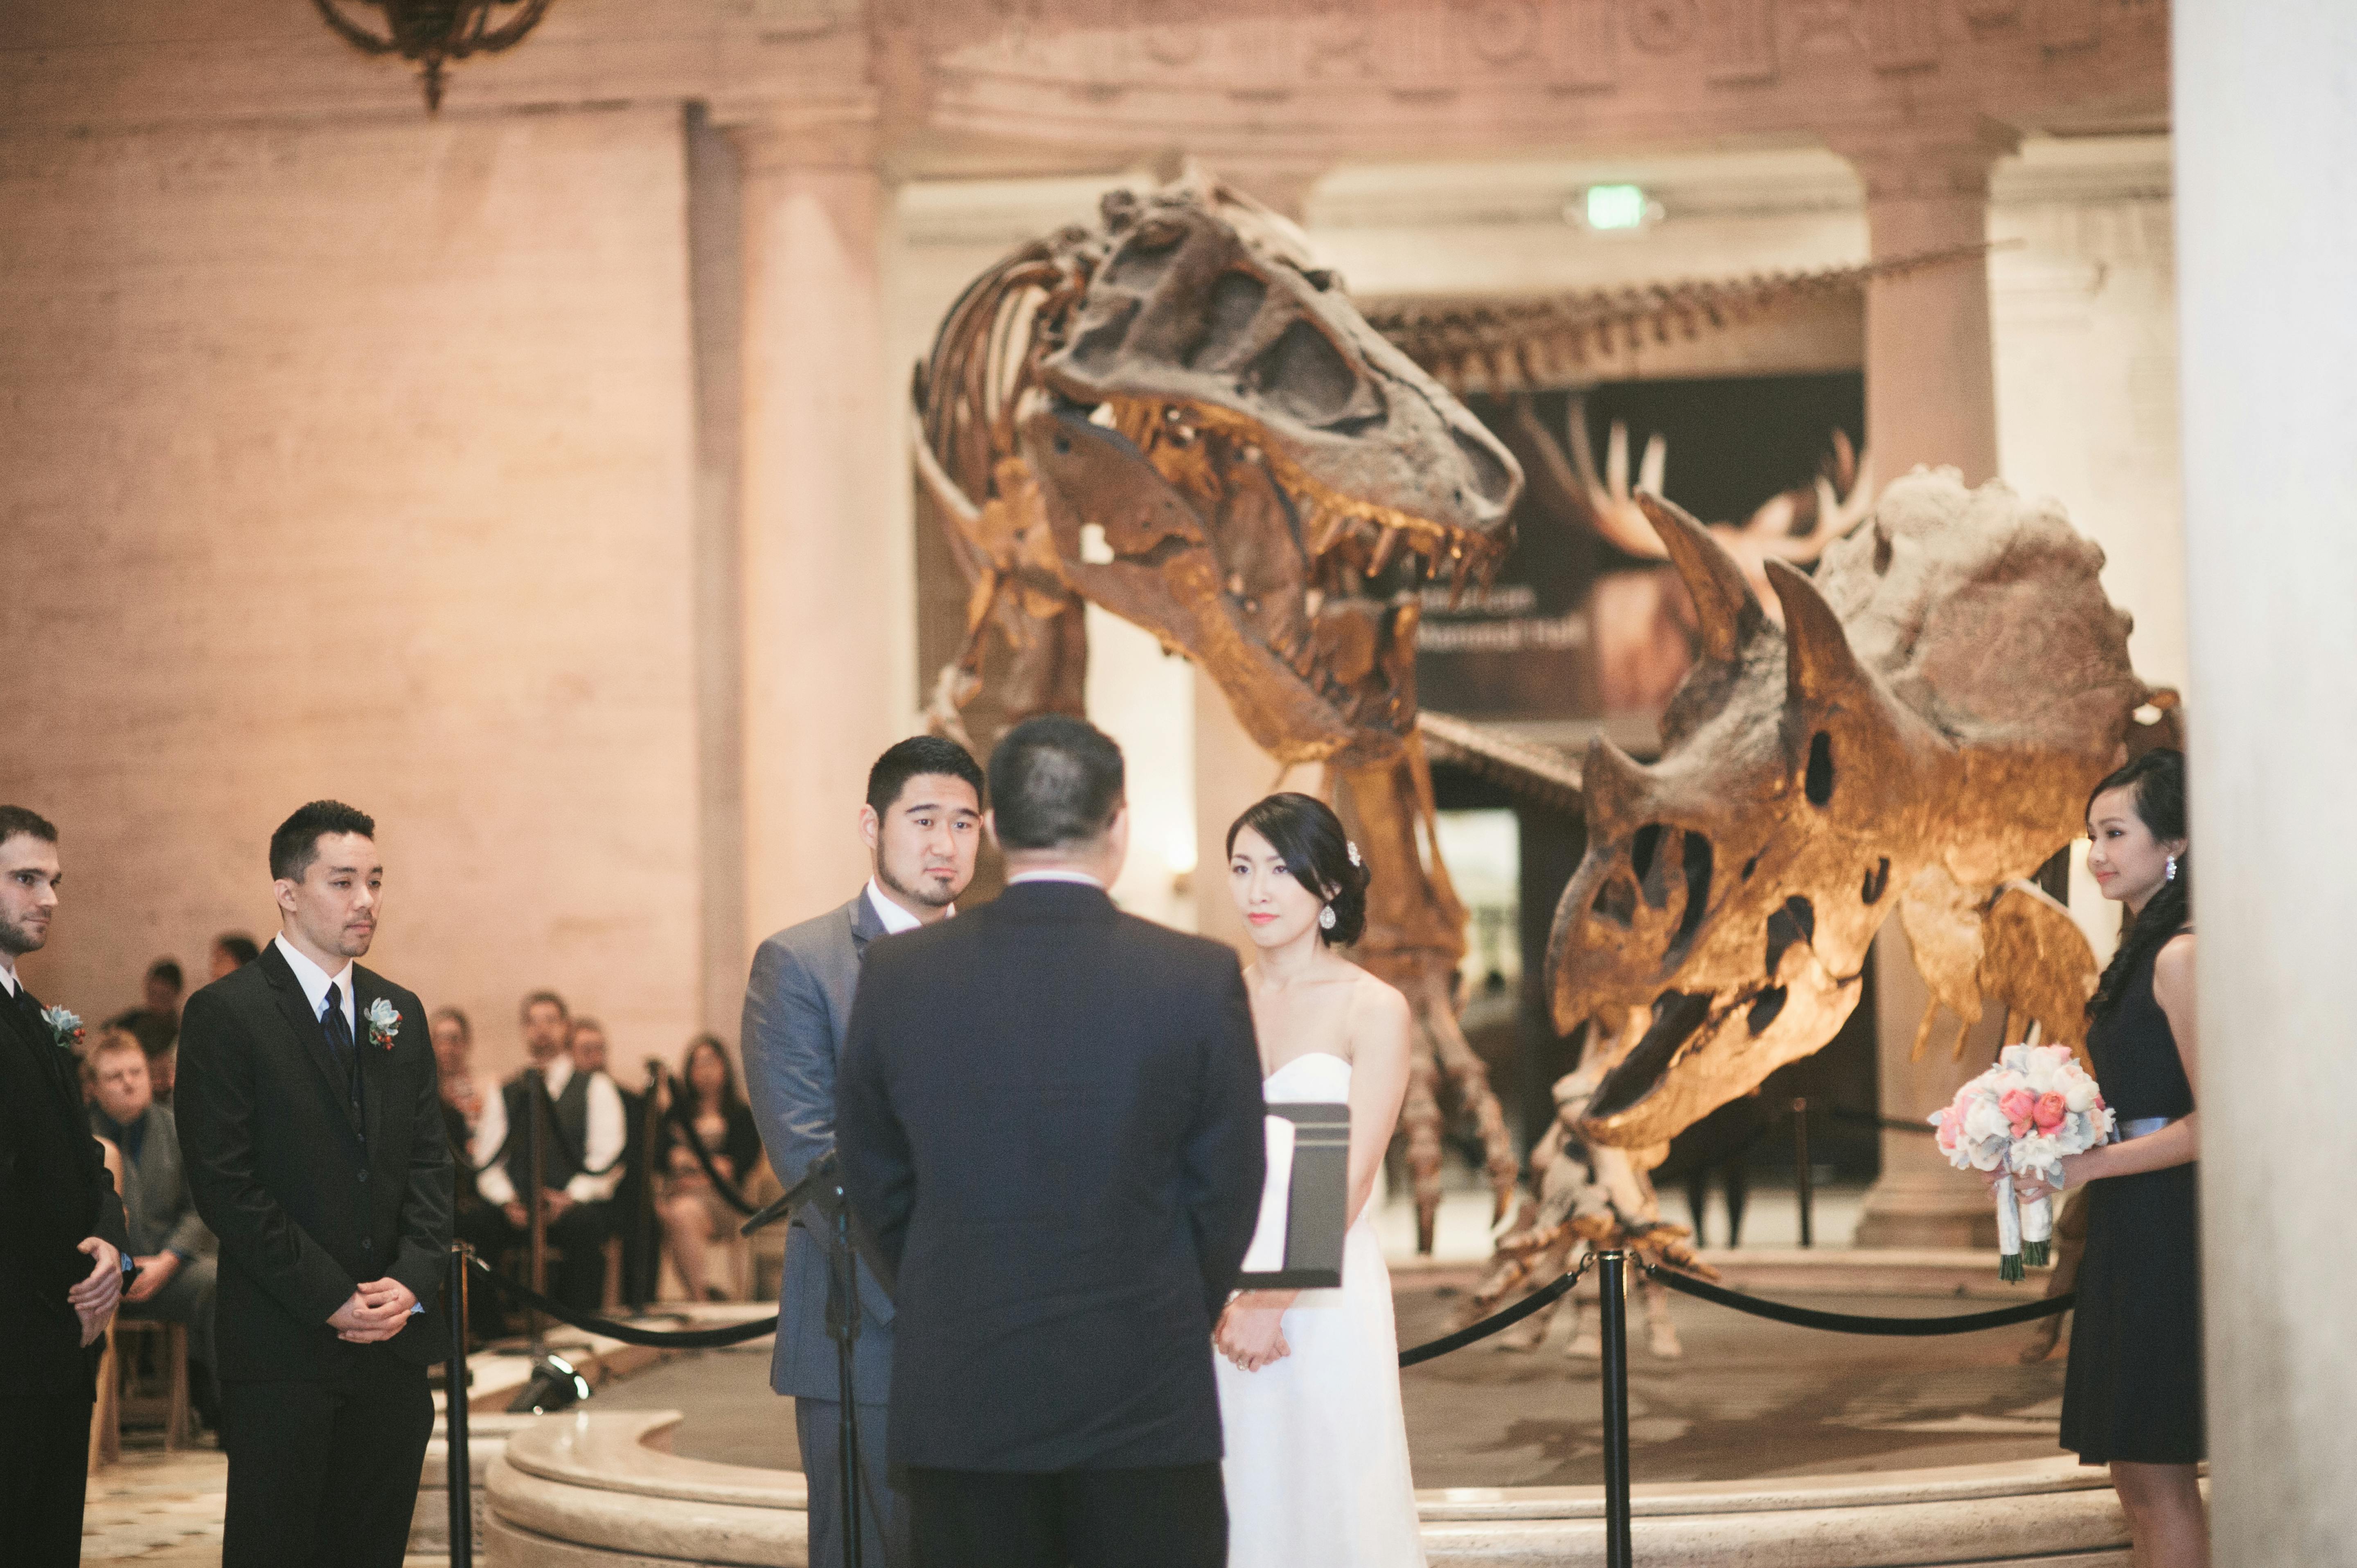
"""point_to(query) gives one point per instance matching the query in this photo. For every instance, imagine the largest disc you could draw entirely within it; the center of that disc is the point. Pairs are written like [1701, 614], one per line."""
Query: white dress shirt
[1082, 877]
[315, 982]
[896, 920]
[8, 976]
[609, 1130]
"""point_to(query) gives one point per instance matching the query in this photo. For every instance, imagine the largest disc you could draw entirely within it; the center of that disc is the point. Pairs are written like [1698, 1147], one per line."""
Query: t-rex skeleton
[1180, 418]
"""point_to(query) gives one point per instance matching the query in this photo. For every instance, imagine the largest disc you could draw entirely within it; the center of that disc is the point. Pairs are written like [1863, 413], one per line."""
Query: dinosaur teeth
[1384, 548]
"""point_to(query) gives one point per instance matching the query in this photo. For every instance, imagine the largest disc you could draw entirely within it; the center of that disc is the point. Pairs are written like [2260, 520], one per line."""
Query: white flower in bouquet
[2024, 1115]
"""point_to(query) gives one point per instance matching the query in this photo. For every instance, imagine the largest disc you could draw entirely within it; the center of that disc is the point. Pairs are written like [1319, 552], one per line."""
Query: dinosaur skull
[1925, 726]
[1265, 470]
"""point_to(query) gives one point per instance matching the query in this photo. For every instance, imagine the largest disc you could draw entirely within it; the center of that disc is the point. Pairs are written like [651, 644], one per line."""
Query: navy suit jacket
[54, 1192]
[797, 1011]
[1050, 1122]
[306, 1199]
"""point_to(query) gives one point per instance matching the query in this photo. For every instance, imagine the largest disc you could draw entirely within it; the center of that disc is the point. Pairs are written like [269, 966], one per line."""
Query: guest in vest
[580, 1153]
[169, 1244]
[632, 1214]
[61, 1235]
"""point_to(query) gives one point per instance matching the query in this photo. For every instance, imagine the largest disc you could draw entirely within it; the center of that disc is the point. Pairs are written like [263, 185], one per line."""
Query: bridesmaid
[2132, 1398]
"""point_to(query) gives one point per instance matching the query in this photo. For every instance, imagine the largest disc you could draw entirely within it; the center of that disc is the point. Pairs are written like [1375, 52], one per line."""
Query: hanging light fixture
[432, 33]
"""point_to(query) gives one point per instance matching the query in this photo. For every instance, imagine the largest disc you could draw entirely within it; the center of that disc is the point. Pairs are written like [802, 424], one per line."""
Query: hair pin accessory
[1352, 846]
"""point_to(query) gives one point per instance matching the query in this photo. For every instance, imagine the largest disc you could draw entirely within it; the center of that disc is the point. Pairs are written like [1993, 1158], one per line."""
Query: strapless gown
[1317, 1463]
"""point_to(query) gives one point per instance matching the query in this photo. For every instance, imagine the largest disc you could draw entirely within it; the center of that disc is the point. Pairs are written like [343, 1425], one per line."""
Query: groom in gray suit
[923, 825]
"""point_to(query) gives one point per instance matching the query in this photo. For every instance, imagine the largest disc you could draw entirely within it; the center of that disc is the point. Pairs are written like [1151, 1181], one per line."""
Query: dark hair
[1308, 837]
[1054, 781]
[913, 759]
[729, 1098]
[2156, 782]
[14, 819]
[465, 1026]
[167, 968]
[534, 998]
[295, 845]
[153, 1031]
[239, 946]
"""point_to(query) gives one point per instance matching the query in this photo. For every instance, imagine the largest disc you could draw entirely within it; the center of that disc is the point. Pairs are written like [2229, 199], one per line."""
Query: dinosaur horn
[1723, 603]
[1614, 785]
[1819, 664]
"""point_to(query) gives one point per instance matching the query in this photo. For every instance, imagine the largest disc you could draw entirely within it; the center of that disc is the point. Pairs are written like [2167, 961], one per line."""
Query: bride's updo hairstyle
[2156, 782]
[1308, 837]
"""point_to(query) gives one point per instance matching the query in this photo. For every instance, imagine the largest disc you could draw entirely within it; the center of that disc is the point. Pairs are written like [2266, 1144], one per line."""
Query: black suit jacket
[1050, 1118]
[55, 1193]
[307, 1203]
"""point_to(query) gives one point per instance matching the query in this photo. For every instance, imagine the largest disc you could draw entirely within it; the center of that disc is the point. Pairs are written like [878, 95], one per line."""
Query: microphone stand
[822, 1190]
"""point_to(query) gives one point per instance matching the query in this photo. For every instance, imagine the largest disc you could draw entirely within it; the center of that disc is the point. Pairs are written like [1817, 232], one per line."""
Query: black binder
[1315, 1221]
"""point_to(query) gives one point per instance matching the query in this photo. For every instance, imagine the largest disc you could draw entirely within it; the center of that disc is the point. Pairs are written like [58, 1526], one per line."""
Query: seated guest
[232, 950]
[699, 1228]
[464, 1096]
[171, 1247]
[581, 1153]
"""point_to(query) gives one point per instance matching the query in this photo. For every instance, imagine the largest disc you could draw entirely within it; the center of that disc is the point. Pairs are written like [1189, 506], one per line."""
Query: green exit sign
[1616, 206]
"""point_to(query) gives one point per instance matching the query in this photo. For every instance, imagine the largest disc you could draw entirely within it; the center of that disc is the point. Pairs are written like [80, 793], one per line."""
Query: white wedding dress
[1317, 1462]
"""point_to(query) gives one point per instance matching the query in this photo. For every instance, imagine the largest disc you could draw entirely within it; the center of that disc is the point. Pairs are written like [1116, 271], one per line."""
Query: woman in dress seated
[1316, 1468]
[699, 1230]
[2132, 1398]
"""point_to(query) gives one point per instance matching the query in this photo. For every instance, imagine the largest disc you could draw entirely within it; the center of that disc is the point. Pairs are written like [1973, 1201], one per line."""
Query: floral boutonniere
[384, 1023]
[65, 1028]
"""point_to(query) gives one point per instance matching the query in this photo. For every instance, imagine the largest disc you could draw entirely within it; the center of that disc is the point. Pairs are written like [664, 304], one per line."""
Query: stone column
[828, 575]
[1930, 398]
[2265, 120]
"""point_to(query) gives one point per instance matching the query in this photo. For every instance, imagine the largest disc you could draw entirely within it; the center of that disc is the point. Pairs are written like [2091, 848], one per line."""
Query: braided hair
[2156, 783]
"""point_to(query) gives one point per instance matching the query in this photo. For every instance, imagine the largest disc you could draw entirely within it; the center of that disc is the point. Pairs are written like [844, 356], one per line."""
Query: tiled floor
[151, 1507]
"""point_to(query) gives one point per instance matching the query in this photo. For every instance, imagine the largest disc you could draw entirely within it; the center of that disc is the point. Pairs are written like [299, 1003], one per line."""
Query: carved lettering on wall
[1821, 27]
[1420, 48]
[1742, 41]
[1662, 26]
[1340, 42]
[1169, 32]
[1903, 35]
[1988, 14]
[1583, 38]
[2066, 24]
[1504, 31]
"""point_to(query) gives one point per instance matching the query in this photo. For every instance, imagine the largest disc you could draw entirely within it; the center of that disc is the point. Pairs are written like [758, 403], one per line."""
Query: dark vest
[560, 1159]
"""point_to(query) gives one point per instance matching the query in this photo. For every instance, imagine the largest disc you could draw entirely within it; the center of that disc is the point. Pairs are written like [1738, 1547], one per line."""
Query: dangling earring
[1326, 916]
[2172, 868]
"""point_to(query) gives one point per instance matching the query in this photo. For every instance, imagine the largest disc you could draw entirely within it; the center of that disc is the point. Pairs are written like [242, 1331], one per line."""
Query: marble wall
[355, 461]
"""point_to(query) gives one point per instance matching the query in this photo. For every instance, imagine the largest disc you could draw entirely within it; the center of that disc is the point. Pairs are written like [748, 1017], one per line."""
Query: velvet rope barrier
[1545, 1296]
[676, 1114]
[1851, 1322]
[631, 1333]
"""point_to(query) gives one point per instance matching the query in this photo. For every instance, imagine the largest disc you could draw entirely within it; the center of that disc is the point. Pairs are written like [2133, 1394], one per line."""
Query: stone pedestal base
[1928, 1208]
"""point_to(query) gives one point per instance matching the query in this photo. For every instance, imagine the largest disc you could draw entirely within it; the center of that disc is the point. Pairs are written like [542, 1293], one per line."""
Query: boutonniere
[384, 1023]
[65, 1028]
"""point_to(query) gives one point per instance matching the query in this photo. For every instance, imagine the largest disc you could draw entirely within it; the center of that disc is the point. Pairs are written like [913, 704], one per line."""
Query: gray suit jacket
[797, 1011]
[161, 1212]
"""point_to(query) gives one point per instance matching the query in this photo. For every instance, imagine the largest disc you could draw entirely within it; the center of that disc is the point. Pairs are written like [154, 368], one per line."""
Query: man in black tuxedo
[62, 1231]
[312, 1127]
[1050, 1119]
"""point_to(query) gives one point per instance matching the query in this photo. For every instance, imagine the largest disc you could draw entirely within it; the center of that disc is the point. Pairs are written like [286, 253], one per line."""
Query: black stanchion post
[1801, 1184]
[457, 1465]
[535, 1213]
[639, 1286]
[1612, 1292]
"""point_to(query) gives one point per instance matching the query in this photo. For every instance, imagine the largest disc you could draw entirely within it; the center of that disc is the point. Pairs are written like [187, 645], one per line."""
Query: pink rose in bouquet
[2051, 1111]
[2019, 1105]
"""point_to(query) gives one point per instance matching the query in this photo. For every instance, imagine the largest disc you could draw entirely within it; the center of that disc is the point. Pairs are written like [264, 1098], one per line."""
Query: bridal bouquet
[2023, 1115]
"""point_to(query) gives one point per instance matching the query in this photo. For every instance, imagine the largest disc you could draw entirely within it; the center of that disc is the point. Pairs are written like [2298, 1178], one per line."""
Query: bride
[1316, 1467]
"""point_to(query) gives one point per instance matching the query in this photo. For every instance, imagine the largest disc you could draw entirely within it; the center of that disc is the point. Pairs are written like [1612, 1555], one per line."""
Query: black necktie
[340, 1039]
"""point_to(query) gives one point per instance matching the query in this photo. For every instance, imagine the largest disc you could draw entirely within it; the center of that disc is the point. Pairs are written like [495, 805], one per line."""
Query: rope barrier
[631, 1333]
[676, 1114]
[1852, 1323]
[1544, 1297]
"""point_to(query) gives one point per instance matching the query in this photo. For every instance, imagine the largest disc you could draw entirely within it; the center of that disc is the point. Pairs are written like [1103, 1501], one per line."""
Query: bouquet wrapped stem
[2023, 1116]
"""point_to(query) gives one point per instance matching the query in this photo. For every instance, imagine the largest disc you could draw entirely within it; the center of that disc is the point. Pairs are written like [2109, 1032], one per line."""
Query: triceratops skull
[1923, 728]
